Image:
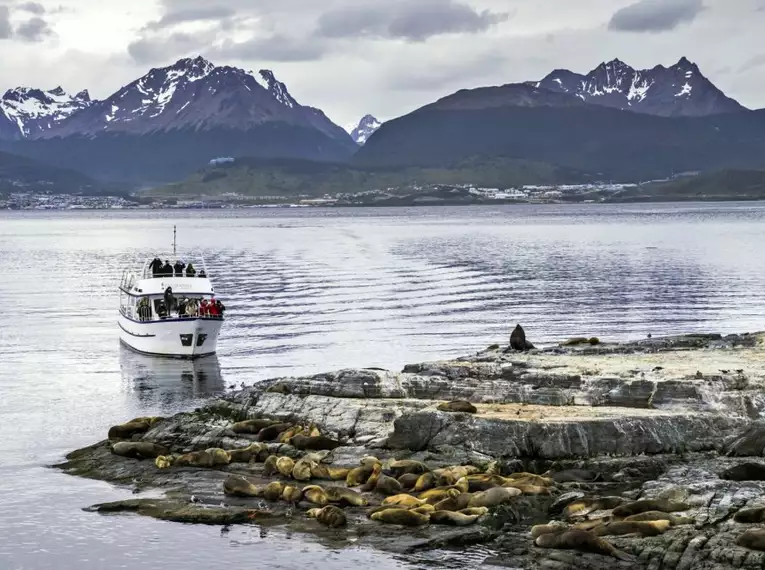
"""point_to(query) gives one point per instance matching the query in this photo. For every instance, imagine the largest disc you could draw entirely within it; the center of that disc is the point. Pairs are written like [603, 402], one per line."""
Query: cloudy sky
[385, 57]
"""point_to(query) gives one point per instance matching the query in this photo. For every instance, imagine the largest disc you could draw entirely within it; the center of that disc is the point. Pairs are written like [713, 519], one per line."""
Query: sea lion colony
[410, 493]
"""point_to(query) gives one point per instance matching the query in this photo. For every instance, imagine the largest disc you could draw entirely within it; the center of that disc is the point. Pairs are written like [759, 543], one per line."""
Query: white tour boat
[170, 310]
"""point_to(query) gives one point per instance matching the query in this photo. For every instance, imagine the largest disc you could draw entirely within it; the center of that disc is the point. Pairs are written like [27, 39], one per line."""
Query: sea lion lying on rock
[493, 497]
[660, 516]
[273, 491]
[344, 496]
[139, 449]
[238, 486]
[285, 465]
[408, 481]
[316, 495]
[580, 540]
[454, 503]
[573, 476]
[292, 494]
[457, 406]
[401, 517]
[750, 515]
[453, 518]
[650, 505]
[753, 538]
[252, 426]
[404, 500]
[551, 527]
[749, 471]
[211, 457]
[330, 516]
[643, 528]
[313, 443]
[272, 432]
[321, 471]
[401, 467]
[586, 505]
[129, 429]
[245, 455]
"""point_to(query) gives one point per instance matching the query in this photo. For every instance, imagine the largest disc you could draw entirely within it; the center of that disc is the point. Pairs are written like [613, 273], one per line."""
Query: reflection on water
[162, 382]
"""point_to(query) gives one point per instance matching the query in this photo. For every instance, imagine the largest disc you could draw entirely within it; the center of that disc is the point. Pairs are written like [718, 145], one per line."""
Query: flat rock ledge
[677, 419]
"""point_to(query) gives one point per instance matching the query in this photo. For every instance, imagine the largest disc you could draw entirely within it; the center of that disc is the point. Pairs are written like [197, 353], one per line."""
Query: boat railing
[197, 260]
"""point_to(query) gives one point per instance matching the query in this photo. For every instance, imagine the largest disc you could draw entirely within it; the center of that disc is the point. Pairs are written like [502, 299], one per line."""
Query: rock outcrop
[577, 429]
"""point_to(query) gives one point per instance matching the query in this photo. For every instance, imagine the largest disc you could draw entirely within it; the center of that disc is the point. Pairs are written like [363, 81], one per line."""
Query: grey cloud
[6, 31]
[273, 48]
[655, 15]
[162, 49]
[33, 8]
[415, 22]
[194, 14]
[34, 30]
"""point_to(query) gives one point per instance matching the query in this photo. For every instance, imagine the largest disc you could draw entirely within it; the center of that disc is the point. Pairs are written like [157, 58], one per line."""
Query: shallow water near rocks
[309, 291]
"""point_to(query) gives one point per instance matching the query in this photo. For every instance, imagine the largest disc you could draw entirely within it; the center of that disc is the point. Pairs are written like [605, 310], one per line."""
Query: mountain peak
[268, 81]
[366, 127]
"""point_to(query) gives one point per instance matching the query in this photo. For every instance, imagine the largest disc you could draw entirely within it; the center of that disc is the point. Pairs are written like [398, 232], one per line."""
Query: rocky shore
[585, 455]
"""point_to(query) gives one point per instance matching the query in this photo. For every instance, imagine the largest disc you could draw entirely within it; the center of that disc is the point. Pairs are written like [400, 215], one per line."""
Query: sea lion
[313, 443]
[238, 486]
[518, 339]
[292, 494]
[285, 465]
[344, 496]
[433, 496]
[302, 470]
[753, 538]
[252, 426]
[484, 482]
[330, 516]
[407, 466]
[592, 523]
[285, 436]
[129, 429]
[318, 456]
[244, 455]
[403, 500]
[579, 540]
[750, 515]
[279, 388]
[373, 478]
[454, 503]
[457, 406]
[660, 516]
[643, 528]
[650, 505]
[474, 511]
[423, 509]
[425, 481]
[408, 480]
[271, 432]
[586, 505]
[573, 476]
[750, 471]
[387, 485]
[551, 527]
[452, 518]
[493, 497]
[529, 489]
[164, 461]
[321, 471]
[273, 491]
[313, 431]
[450, 475]
[269, 466]
[358, 475]
[207, 458]
[139, 449]
[401, 517]
[530, 479]
[315, 495]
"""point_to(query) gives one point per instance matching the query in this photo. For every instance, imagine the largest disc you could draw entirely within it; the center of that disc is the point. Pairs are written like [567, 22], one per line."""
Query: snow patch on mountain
[34, 110]
[365, 128]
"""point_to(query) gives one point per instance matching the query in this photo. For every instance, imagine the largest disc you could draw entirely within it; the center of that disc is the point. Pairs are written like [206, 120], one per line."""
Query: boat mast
[174, 241]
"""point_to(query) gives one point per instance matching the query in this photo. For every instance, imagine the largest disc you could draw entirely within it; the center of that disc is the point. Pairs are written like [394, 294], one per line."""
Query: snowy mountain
[195, 94]
[361, 132]
[26, 112]
[679, 90]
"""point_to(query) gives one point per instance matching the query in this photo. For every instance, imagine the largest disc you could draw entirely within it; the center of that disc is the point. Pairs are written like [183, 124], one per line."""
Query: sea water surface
[310, 290]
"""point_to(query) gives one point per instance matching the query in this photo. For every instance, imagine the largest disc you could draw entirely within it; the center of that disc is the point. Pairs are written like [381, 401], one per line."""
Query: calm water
[307, 291]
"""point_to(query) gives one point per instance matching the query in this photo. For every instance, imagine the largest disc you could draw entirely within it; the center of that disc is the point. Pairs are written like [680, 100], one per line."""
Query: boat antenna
[174, 241]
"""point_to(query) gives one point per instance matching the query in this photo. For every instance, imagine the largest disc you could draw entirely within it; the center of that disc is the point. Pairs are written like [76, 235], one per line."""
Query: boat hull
[175, 338]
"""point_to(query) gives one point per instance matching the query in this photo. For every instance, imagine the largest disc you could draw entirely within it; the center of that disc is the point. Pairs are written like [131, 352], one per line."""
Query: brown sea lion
[649, 505]
[313, 443]
[423, 509]
[454, 503]
[373, 478]
[580, 540]
[344, 496]
[129, 429]
[273, 491]
[401, 517]
[530, 479]
[485, 482]
[207, 458]
[330, 516]
[660, 516]
[139, 449]
[452, 518]
[280, 388]
[450, 475]
[252, 426]
[643, 528]
[387, 485]
[592, 524]
[238, 486]
[480, 511]
[244, 455]
[407, 466]
[573, 476]
[164, 461]
[457, 406]
[302, 470]
[586, 505]
[269, 466]
[321, 471]
[749, 471]
[285, 465]
[433, 496]
[493, 497]
[750, 515]
[518, 339]
[271, 432]
[359, 475]
[425, 481]
[551, 527]
[292, 494]
[285, 436]
[529, 489]
[408, 480]
[753, 538]
[316, 495]
[403, 500]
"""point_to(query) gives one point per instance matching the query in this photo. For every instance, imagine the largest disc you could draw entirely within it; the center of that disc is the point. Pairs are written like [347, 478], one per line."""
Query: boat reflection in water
[169, 382]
